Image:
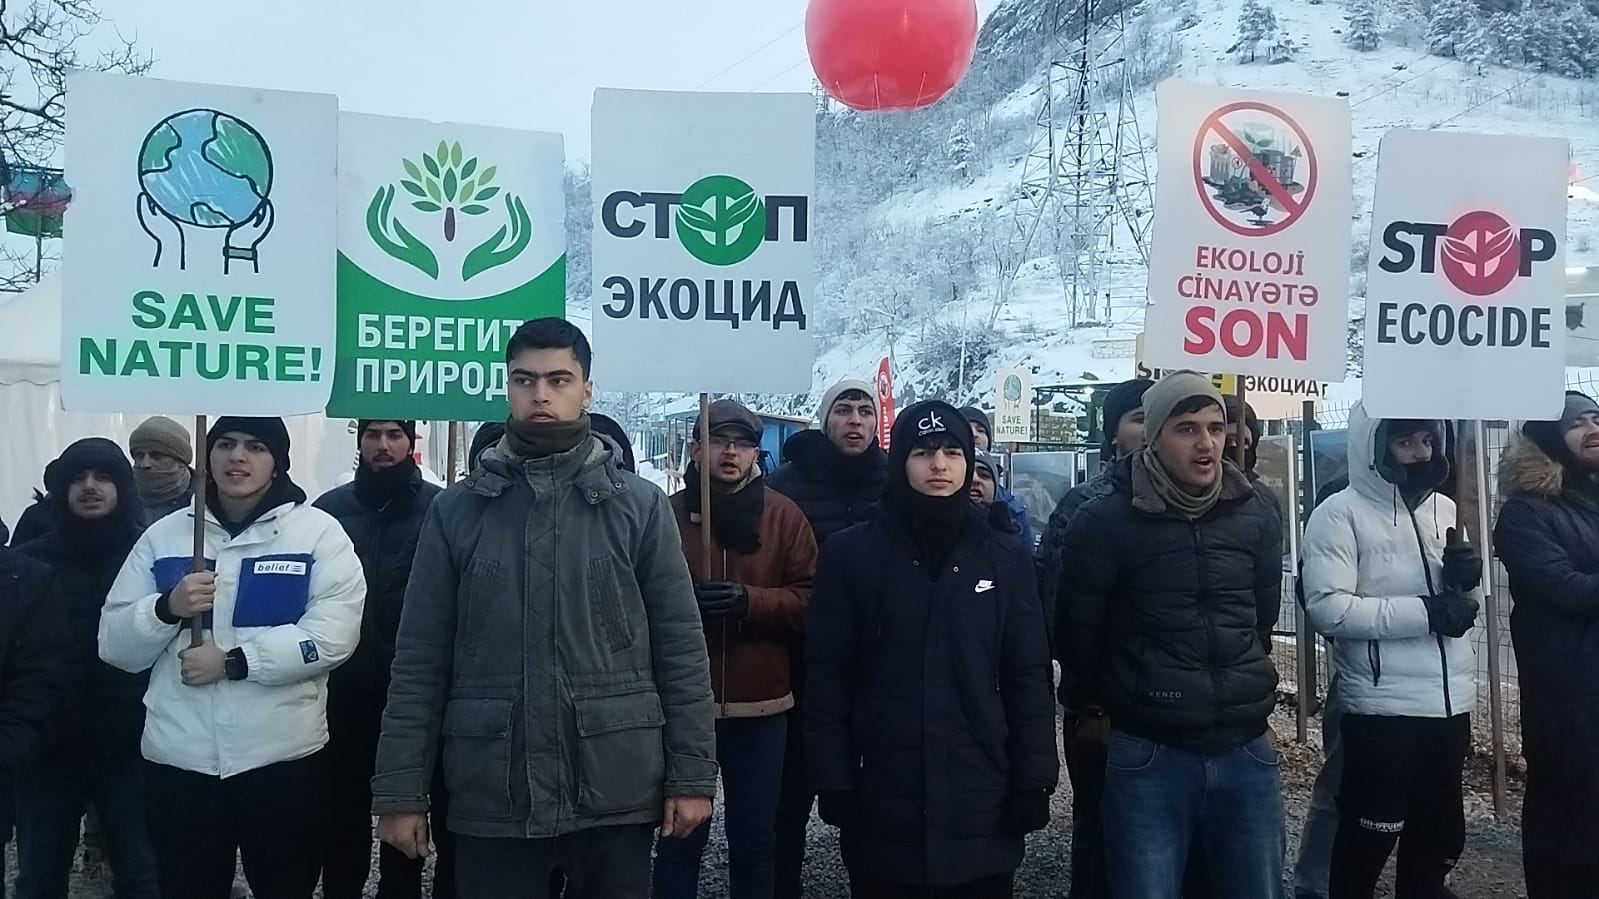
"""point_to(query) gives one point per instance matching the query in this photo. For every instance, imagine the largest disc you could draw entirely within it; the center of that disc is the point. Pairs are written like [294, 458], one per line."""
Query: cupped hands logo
[721, 220]
[1481, 254]
[451, 187]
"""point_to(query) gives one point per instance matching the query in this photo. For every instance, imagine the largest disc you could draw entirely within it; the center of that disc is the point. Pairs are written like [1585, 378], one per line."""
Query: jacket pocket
[477, 757]
[1129, 753]
[621, 756]
[605, 604]
[479, 585]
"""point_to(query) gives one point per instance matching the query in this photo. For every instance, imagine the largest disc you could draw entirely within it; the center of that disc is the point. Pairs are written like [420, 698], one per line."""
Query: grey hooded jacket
[551, 643]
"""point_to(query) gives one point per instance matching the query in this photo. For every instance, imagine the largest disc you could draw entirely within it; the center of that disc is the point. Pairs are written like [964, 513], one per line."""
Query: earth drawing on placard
[203, 168]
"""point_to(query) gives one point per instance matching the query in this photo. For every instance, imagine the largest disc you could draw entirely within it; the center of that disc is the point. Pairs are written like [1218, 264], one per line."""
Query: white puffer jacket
[1368, 560]
[289, 593]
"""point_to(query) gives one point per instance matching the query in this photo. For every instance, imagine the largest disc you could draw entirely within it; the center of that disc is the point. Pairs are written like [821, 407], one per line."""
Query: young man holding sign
[236, 726]
[551, 643]
[1396, 598]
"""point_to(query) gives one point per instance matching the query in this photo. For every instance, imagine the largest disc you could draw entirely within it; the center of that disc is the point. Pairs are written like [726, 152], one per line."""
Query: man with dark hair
[382, 511]
[836, 473]
[236, 726]
[94, 763]
[752, 601]
[551, 643]
[1087, 741]
[1168, 591]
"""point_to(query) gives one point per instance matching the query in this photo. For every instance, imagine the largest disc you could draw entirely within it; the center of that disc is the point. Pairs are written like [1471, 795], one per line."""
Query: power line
[1483, 102]
[780, 74]
[749, 56]
[1395, 87]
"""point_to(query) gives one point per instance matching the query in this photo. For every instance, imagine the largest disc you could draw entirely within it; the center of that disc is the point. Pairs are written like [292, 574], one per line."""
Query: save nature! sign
[197, 273]
[450, 237]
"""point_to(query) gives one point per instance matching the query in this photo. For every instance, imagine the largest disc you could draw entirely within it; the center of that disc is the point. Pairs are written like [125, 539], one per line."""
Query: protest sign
[703, 276]
[198, 268]
[450, 237]
[1013, 406]
[1249, 267]
[1465, 295]
[1143, 371]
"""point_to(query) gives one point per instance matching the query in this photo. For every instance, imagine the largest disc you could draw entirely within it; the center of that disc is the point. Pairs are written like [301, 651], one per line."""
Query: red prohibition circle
[1295, 208]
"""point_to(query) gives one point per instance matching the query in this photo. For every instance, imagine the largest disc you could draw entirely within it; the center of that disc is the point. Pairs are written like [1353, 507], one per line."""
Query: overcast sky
[516, 63]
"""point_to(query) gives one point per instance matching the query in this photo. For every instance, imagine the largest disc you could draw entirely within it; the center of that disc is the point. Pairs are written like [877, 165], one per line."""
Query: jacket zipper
[1443, 652]
[1210, 629]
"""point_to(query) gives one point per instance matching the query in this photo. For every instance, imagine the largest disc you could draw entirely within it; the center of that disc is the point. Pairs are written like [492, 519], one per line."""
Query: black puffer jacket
[1052, 546]
[1547, 536]
[834, 491]
[35, 661]
[385, 539]
[1166, 622]
[929, 700]
[104, 714]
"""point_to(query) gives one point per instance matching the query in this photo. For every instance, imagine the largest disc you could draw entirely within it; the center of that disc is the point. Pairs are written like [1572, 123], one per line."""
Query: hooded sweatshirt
[1369, 558]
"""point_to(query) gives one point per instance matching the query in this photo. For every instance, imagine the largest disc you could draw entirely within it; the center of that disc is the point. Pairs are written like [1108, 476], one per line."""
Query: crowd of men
[543, 673]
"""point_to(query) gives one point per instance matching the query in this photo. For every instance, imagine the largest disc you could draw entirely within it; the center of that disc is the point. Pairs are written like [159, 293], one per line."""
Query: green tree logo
[721, 220]
[447, 183]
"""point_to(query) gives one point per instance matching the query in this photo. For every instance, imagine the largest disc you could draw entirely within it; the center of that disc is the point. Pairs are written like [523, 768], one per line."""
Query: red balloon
[890, 54]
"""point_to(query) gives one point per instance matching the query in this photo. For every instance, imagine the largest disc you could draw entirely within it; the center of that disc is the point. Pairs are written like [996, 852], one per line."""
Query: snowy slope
[1392, 87]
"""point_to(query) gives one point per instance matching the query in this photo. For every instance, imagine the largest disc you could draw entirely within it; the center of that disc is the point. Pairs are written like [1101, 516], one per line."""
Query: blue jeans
[1163, 803]
[52, 797]
[750, 751]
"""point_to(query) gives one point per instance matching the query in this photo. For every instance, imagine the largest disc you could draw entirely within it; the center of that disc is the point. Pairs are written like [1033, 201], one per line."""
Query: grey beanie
[1169, 392]
[836, 391]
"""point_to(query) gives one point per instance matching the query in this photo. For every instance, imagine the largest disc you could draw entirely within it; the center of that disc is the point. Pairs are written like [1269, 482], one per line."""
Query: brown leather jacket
[749, 656]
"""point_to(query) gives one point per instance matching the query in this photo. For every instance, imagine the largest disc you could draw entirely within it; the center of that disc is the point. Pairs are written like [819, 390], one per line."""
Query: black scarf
[735, 515]
[540, 439]
[388, 490]
[281, 491]
[933, 522]
[853, 471]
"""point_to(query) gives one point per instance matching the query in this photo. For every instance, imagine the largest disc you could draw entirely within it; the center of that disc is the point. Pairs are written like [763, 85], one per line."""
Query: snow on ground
[1392, 87]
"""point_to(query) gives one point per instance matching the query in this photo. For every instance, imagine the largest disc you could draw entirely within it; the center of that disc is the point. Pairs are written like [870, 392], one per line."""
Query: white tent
[37, 429]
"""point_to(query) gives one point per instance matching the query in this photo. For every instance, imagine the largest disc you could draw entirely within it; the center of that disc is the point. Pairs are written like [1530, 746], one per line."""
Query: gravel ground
[1489, 869]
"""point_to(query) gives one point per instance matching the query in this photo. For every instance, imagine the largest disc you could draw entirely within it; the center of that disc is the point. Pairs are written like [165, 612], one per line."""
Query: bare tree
[40, 42]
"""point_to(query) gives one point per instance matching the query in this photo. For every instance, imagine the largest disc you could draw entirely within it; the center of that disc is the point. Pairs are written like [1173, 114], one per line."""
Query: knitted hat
[836, 391]
[95, 453]
[1550, 436]
[162, 435]
[409, 427]
[985, 459]
[270, 431]
[1120, 400]
[1169, 392]
[976, 416]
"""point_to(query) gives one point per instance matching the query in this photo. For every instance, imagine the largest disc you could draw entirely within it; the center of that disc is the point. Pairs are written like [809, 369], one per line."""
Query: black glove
[1027, 812]
[1462, 563]
[1450, 613]
[722, 599]
[838, 809]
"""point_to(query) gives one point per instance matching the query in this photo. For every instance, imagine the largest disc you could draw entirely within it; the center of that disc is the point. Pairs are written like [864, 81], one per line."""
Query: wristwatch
[234, 664]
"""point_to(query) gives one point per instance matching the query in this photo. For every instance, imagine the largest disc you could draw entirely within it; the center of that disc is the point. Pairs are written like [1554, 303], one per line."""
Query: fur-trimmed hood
[1526, 469]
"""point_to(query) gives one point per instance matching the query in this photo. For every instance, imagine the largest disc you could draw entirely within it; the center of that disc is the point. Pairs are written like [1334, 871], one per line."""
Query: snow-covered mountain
[916, 211]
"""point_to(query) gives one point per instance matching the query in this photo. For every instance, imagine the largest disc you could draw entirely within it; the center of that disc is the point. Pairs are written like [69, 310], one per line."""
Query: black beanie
[607, 426]
[95, 453]
[1550, 436]
[1252, 422]
[1120, 400]
[976, 416]
[270, 431]
[922, 423]
[409, 427]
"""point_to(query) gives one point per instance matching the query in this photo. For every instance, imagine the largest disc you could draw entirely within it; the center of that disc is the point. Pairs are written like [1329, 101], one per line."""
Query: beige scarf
[1147, 467]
